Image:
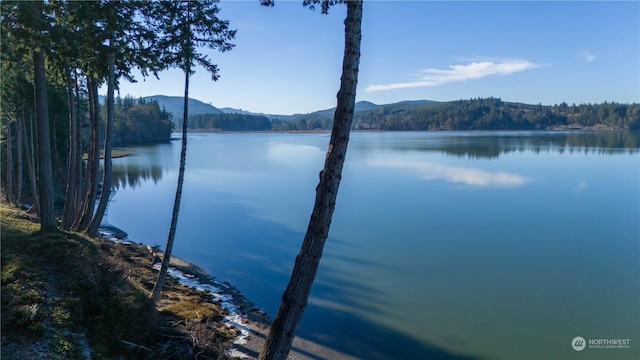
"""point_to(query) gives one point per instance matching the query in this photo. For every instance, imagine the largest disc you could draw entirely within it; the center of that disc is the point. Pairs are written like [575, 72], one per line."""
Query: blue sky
[287, 58]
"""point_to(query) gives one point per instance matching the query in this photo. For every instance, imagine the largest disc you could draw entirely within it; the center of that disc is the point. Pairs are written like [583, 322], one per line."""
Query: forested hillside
[229, 122]
[54, 129]
[56, 145]
[140, 121]
[478, 114]
[175, 105]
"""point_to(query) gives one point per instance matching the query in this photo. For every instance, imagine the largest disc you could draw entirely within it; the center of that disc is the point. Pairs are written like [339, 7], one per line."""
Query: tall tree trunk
[58, 168]
[77, 201]
[166, 258]
[31, 169]
[19, 126]
[108, 144]
[93, 158]
[294, 299]
[73, 178]
[45, 184]
[10, 176]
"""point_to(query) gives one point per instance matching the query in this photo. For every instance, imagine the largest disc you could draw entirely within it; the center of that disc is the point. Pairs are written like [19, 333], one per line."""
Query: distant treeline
[139, 122]
[479, 114]
[474, 114]
[229, 122]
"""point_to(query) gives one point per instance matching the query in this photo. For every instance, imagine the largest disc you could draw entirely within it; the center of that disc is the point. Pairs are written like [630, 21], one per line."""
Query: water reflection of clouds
[294, 154]
[455, 174]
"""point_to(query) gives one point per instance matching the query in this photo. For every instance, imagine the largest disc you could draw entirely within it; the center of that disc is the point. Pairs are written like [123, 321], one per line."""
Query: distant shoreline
[114, 154]
[573, 127]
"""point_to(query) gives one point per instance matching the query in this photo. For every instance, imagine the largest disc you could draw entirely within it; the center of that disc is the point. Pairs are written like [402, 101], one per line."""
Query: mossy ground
[66, 296]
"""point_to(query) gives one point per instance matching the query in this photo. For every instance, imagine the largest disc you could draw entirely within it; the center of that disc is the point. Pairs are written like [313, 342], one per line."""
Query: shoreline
[115, 154]
[250, 321]
[567, 128]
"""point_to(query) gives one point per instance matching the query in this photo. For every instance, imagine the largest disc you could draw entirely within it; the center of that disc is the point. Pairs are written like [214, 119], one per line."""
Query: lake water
[446, 245]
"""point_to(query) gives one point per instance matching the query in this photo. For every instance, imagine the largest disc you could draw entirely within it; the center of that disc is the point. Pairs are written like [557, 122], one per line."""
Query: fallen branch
[135, 345]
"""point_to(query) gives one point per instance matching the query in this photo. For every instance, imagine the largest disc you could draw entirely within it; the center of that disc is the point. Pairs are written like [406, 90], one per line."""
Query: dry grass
[65, 296]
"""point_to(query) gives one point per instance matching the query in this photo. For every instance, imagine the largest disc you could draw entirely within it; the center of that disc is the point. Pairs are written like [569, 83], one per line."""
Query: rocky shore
[251, 322]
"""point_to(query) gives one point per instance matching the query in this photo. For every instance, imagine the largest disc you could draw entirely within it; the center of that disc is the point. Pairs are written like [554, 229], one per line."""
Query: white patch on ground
[233, 318]
[111, 236]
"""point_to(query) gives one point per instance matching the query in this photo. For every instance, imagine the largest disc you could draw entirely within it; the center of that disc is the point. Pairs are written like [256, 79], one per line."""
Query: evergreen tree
[131, 43]
[183, 26]
[27, 27]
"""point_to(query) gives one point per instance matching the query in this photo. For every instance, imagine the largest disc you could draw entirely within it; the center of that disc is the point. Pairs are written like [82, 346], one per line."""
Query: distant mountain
[414, 102]
[327, 113]
[175, 105]
[360, 106]
[228, 110]
[367, 106]
[364, 106]
[323, 117]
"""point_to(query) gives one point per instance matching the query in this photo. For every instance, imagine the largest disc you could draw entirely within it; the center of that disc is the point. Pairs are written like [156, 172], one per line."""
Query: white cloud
[455, 174]
[587, 55]
[455, 73]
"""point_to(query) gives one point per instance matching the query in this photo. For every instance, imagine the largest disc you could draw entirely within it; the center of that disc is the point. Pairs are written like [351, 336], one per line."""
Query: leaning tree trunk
[166, 258]
[108, 144]
[45, 184]
[294, 299]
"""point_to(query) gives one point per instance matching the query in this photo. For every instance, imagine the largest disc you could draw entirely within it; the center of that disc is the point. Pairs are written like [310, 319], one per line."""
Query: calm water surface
[449, 245]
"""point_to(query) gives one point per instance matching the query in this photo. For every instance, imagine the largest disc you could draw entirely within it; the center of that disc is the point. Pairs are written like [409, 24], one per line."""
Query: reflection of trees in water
[492, 145]
[607, 140]
[133, 175]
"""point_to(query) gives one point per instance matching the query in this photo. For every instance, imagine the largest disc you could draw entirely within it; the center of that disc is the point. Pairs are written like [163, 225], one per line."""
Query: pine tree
[27, 26]
[183, 27]
[129, 46]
